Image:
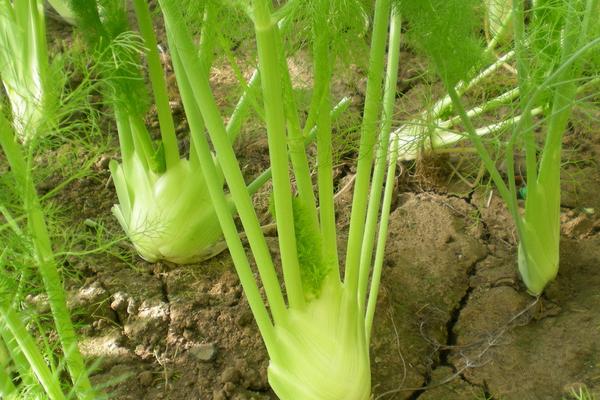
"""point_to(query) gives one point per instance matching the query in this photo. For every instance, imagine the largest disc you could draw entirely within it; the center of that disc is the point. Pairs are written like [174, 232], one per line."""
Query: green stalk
[159, 84]
[539, 242]
[125, 137]
[322, 103]
[143, 143]
[46, 263]
[442, 105]
[208, 36]
[25, 66]
[196, 85]
[205, 54]
[234, 125]
[23, 369]
[367, 143]
[490, 105]
[382, 239]
[270, 71]
[223, 210]
[37, 23]
[500, 33]
[29, 348]
[524, 78]
[340, 107]
[504, 191]
[64, 10]
[381, 159]
[565, 90]
[296, 145]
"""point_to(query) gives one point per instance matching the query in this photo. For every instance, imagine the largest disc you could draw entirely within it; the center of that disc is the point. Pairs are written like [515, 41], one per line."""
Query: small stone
[145, 378]
[119, 302]
[230, 374]
[39, 302]
[102, 163]
[132, 306]
[204, 351]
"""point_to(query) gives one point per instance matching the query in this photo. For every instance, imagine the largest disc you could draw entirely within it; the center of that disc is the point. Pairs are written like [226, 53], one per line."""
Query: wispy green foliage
[346, 22]
[228, 13]
[105, 27]
[46, 262]
[313, 266]
[446, 30]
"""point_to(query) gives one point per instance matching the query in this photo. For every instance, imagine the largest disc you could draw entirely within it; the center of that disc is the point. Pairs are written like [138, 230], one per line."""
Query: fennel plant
[550, 44]
[164, 206]
[317, 333]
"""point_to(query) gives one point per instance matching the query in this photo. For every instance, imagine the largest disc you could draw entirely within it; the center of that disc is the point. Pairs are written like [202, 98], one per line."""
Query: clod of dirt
[496, 217]
[90, 303]
[39, 302]
[149, 325]
[578, 227]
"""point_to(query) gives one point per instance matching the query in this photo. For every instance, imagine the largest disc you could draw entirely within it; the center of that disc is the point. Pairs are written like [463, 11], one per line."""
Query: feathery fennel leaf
[445, 30]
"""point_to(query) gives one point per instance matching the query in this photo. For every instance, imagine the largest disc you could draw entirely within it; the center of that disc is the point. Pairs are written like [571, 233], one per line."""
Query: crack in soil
[451, 337]
[164, 288]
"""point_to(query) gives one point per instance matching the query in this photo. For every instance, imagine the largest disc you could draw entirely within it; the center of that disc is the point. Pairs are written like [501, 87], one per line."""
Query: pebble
[204, 351]
[102, 163]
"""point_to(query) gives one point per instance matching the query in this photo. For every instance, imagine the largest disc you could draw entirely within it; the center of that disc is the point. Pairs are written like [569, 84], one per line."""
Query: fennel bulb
[321, 352]
[166, 216]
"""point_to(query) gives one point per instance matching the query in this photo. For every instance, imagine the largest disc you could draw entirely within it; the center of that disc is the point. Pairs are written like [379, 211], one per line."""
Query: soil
[453, 320]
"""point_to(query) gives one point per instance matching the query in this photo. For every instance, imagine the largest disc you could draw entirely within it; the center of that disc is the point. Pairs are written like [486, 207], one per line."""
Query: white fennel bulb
[323, 353]
[167, 216]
